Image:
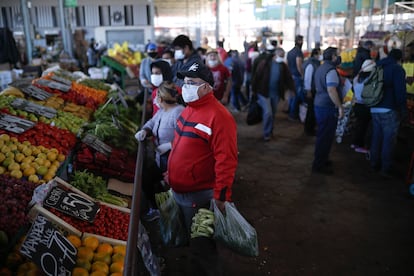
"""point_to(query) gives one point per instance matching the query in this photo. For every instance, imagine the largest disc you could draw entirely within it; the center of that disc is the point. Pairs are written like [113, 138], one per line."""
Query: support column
[26, 26]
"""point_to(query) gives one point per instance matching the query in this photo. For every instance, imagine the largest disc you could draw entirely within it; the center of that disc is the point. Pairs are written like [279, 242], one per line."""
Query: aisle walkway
[350, 223]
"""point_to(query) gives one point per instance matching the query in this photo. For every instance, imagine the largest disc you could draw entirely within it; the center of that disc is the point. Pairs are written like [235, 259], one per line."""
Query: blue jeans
[236, 97]
[297, 99]
[384, 136]
[326, 119]
[269, 108]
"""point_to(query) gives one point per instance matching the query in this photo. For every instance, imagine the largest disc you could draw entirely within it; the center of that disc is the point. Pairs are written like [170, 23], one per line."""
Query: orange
[120, 249]
[75, 240]
[48, 176]
[98, 273]
[102, 257]
[85, 253]
[61, 157]
[33, 178]
[91, 242]
[118, 257]
[100, 266]
[116, 274]
[105, 247]
[29, 171]
[117, 267]
[83, 263]
[51, 156]
[79, 271]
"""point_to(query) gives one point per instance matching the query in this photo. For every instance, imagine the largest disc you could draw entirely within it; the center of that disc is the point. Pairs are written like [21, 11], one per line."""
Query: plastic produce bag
[233, 230]
[172, 228]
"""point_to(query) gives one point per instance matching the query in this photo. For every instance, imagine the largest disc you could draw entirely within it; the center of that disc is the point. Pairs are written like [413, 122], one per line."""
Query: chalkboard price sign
[49, 249]
[72, 204]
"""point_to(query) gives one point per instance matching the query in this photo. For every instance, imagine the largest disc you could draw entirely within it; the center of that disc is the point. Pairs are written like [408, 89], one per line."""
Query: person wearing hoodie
[387, 114]
[185, 55]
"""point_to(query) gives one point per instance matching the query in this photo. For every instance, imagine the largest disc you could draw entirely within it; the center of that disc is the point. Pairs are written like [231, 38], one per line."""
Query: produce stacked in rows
[96, 187]
[97, 258]
[22, 159]
[15, 263]
[109, 222]
[115, 125]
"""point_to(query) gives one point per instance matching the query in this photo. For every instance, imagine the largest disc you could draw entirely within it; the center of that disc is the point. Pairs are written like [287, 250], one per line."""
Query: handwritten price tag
[49, 249]
[72, 204]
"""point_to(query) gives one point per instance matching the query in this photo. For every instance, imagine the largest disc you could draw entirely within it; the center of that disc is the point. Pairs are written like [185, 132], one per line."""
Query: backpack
[373, 87]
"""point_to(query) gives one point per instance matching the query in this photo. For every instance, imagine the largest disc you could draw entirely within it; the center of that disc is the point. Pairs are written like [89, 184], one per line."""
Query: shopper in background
[295, 61]
[161, 127]
[387, 114]
[168, 56]
[92, 53]
[160, 71]
[271, 80]
[220, 50]
[184, 55]
[361, 111]
[236, 68]
[309, 68]
[203, 160]
[145, 67]
[328, 108]
[363, 53]
[221, 76]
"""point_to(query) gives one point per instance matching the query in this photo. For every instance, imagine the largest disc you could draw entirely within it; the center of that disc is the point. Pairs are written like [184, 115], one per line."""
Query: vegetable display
[96, 187]
[109, 222]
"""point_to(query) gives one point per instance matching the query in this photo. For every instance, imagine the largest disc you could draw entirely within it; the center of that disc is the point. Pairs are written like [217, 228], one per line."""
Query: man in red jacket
[203, 159]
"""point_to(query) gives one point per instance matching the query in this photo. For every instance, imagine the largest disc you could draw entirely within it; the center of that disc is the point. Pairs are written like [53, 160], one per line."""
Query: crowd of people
[193, 92]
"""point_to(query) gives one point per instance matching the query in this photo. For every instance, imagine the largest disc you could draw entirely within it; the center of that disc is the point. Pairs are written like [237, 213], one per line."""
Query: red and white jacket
[204, 149]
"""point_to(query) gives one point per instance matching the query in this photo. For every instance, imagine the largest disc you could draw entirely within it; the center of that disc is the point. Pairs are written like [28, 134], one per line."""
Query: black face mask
[153, 54]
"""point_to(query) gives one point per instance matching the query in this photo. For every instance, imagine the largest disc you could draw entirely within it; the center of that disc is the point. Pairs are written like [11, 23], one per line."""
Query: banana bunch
[12, 91]
[55, 102]
[161, 198]
[203, 224]
[78, 110]
[348, 55]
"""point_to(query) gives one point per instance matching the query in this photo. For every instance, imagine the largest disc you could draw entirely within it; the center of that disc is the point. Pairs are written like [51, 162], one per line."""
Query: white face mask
[167, 60]
[179, 54]
[156, 80]
[280, 59]
[212, 63]
[320, 57]
[189, 93]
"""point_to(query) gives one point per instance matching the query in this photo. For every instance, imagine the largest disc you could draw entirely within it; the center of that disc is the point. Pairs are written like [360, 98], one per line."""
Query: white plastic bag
[233, 230]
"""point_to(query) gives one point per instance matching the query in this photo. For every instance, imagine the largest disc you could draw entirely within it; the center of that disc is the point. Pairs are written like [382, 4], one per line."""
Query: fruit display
[15, 263]
[97, 257]
[109, 222]
[15, 195]
[347, 57]
[35, 163]
[123, 55]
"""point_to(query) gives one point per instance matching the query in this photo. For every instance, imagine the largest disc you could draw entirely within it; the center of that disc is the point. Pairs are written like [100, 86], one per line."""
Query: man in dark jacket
[185, 55]
[386, 115]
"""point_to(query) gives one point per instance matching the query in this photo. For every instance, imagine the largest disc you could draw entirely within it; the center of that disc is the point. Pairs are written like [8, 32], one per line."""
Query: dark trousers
[363, 119]
[326, 119]
[310, 121]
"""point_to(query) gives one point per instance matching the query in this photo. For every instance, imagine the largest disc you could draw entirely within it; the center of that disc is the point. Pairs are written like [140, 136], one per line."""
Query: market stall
[62, 137]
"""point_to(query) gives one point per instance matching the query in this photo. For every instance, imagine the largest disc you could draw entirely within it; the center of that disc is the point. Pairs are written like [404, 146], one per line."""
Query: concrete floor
[350, 223]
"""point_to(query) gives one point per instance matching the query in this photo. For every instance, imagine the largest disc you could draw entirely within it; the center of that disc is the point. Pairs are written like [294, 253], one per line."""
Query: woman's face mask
[189, 92]
[320, 57]
[179, 54]
[167, 60]
[156, 79]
